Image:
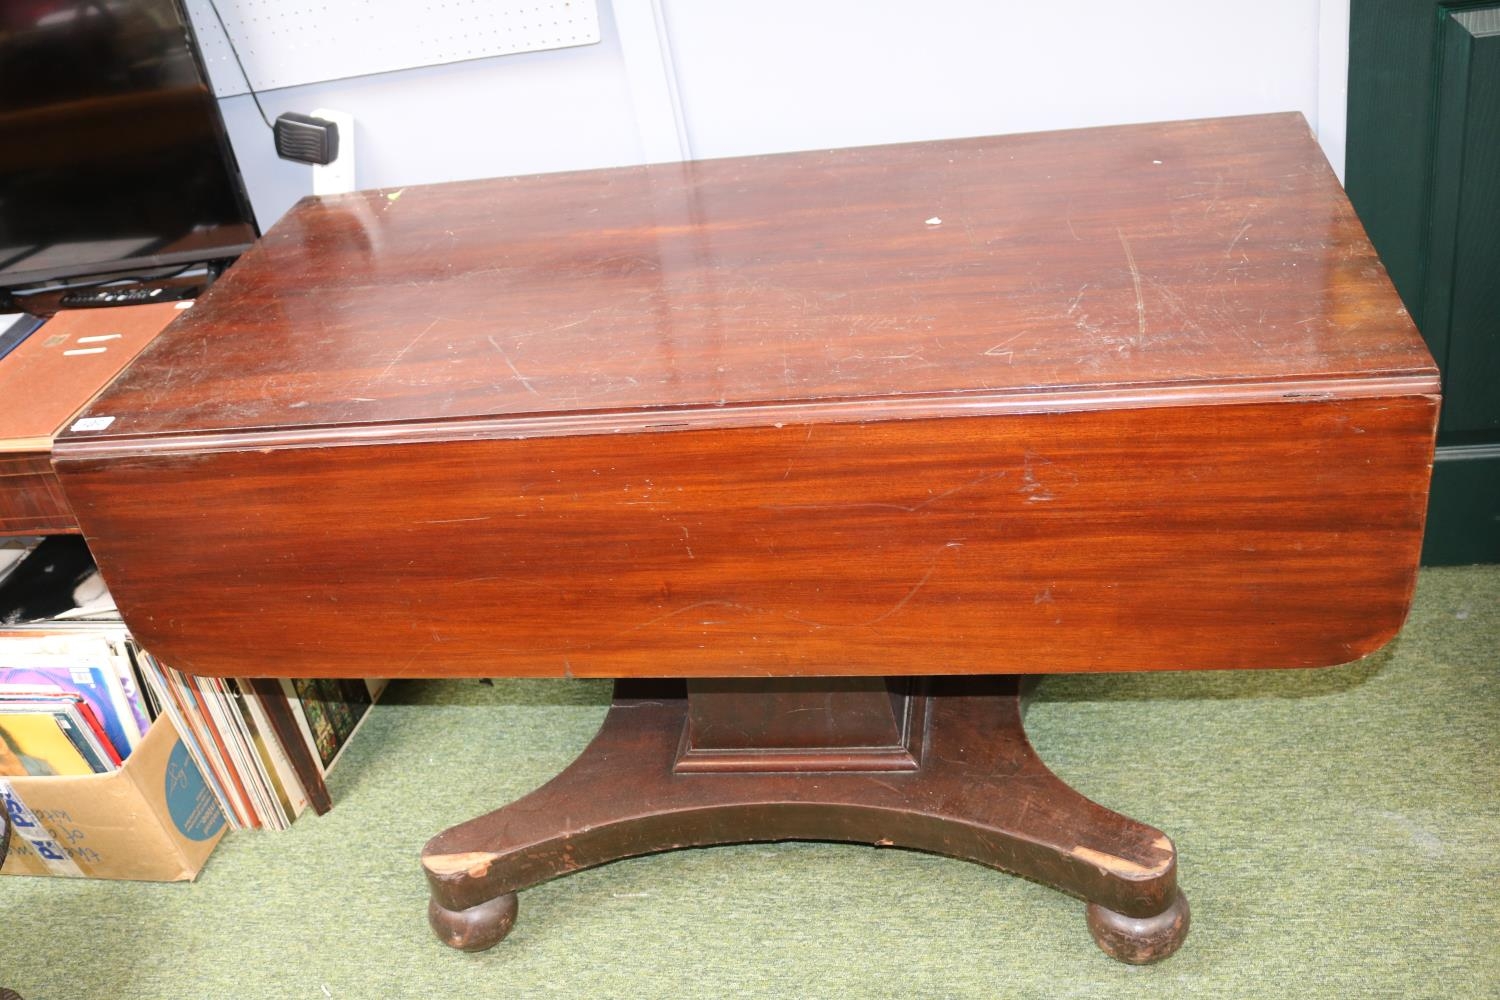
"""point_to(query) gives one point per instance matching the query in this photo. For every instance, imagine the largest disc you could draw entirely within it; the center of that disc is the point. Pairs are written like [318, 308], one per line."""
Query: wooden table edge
[1422, 382]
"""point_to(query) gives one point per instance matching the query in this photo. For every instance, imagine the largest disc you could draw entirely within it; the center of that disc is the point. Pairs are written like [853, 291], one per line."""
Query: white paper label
[92, 424]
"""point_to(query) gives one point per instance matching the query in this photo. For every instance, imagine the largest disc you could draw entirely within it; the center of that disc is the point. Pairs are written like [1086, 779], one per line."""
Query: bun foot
[1140, 940]
[477, 928]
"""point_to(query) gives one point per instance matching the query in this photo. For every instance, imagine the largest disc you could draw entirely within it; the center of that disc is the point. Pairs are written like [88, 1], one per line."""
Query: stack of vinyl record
[77, 695]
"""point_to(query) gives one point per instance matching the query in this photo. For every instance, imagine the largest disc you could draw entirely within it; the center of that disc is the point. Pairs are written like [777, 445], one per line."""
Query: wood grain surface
[32, 501]
[1118, 399]
[1253, 535]
[1183, 254]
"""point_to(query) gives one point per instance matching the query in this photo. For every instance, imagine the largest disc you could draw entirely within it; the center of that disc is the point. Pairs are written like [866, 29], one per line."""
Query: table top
[1128, 398]
[1188, 257]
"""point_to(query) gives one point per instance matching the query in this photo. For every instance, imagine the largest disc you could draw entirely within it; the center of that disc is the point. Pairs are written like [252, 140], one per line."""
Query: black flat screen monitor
[113, 156]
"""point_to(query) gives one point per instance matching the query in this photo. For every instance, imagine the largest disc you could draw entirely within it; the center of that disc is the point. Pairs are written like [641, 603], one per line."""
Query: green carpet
[1338, 832]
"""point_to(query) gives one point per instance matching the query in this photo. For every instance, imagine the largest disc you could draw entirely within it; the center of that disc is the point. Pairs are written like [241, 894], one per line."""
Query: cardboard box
[153, 820]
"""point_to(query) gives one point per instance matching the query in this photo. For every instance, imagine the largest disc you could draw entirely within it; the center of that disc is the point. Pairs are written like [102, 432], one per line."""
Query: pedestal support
[943, 766]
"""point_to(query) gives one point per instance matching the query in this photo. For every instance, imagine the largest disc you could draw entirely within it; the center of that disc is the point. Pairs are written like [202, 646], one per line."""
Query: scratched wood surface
[1022, 404]
[1193, 253]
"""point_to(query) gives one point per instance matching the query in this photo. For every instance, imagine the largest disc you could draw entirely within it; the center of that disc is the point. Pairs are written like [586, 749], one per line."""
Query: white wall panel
[786, 74]
[687, 78]
[535, 112]
[286, 44]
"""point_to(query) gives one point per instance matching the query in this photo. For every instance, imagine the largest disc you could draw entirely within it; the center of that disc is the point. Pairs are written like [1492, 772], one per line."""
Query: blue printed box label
[189, 802]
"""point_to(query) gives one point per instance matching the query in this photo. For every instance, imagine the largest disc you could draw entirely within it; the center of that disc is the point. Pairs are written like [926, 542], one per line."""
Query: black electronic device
[127, 295]
[114, 159]
[306, 139]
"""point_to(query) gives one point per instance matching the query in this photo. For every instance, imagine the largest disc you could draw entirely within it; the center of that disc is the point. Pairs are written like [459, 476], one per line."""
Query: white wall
[786, 74]
[533, 112]
[688, 78]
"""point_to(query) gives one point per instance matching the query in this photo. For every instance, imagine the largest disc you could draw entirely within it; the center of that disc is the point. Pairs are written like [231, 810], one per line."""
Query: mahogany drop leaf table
[806, 450]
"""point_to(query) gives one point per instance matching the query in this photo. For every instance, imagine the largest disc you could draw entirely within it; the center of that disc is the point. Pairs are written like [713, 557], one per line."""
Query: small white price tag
[92, 424]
